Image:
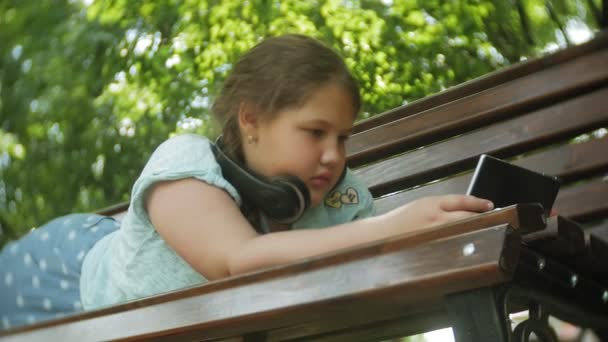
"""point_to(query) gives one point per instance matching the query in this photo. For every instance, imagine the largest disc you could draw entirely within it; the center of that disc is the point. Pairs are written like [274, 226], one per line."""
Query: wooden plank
[501, 139]
[430, 264]
[487, 81]
[584, 202]
[524, 94]
[570, 162]
[376, 331]
[581, 202]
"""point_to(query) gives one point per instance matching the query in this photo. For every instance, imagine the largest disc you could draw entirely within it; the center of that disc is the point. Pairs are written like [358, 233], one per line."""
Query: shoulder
[180, 157]
[181, 149]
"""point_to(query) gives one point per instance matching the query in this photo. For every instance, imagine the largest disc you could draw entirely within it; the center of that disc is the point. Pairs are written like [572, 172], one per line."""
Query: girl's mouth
[320, 181]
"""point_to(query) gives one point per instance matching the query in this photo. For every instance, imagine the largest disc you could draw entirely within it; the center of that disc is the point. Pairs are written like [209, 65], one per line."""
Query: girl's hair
[278, 73]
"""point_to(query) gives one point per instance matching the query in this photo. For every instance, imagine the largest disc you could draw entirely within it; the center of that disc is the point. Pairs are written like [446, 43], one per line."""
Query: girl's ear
[248, 120]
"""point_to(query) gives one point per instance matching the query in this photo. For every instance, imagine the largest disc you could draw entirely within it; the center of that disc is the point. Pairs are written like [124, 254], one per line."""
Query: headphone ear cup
[296, 195]
[282, 199]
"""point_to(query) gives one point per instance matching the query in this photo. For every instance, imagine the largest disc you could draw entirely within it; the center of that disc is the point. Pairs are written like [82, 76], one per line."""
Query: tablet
[506, 184]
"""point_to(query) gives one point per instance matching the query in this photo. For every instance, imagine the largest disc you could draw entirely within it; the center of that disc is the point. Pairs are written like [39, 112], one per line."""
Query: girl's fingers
[464, 203]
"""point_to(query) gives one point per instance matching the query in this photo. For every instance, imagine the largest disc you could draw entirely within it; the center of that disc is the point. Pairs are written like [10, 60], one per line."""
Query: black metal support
[479, 315]
[537, 323]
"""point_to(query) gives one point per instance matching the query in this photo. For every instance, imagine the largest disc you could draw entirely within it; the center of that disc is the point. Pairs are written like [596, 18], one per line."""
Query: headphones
[282, 199]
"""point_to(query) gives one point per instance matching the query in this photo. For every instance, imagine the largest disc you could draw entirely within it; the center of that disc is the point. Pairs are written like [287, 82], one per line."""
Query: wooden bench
[470, 274]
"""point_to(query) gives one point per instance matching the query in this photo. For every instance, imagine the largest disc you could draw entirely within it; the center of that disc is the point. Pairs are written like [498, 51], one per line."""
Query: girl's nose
[332, 154]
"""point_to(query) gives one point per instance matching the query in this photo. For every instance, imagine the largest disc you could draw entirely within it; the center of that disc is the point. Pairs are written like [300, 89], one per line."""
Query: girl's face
[306, 142]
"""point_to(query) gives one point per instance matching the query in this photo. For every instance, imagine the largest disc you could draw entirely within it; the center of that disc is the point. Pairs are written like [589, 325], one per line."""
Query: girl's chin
[316, 199]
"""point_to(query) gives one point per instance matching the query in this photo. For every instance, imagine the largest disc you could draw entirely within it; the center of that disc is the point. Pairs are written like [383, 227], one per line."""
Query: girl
[286, 109]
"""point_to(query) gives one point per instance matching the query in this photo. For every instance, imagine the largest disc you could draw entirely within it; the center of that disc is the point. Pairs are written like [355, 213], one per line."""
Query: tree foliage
[89, 89]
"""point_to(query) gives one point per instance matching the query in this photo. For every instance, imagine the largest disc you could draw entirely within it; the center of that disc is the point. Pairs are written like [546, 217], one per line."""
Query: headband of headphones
[282, 199]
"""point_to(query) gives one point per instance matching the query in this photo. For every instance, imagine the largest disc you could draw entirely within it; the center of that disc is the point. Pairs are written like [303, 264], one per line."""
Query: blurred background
[89, 88]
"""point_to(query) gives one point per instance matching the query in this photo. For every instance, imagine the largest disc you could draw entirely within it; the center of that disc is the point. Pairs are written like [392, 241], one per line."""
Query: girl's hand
[436, 210]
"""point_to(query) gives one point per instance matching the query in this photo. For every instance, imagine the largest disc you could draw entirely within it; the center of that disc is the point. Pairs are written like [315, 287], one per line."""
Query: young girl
[286, 109]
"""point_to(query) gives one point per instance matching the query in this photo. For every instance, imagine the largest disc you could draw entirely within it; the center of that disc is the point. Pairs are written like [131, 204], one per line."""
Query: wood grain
[430, 265]
[523, 94]
[504, 139]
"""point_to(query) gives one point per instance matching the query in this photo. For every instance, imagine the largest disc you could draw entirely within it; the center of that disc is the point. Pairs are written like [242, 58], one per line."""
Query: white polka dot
[86, 225]
[44, 236]
[56, 250]
[5, 323]
[42, 264]
[27, 259]
[64, 284]
[91, 218]
[77, 306]
[67, 221]
[64, 268]
[71, 235]
[94, 229]
[8, 279]
[14, 248]
[81, 255]
[20, 301]
[36, 282]
[46, 304]
[31, 319]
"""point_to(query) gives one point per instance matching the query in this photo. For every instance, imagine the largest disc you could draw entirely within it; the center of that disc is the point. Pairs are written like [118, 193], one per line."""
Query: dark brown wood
[382, 330]
[526, 93]
[570, 162]
[545, 126]
[287, 295]
[585, 202]
[485, 82]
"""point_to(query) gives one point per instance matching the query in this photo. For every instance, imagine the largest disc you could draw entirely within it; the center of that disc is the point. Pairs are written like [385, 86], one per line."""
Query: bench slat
[389, 266]
[431, 319]
[569, 162]
[484, 82]
[549, 124]
[551, 85]
[585, 202]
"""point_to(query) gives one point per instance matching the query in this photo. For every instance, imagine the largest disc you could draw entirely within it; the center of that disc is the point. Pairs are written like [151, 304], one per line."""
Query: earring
[251, 139]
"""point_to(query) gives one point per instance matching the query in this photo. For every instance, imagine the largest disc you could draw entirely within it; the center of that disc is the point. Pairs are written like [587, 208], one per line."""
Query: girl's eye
[316, 132]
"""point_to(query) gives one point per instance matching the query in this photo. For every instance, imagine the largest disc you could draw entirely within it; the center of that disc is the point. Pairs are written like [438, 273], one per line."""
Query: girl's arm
[203, 224]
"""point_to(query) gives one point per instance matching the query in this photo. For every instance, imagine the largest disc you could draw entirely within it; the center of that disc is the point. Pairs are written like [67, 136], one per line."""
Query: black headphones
[282, 199]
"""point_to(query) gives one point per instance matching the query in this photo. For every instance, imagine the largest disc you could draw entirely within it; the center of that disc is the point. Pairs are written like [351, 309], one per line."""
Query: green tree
[89, 89]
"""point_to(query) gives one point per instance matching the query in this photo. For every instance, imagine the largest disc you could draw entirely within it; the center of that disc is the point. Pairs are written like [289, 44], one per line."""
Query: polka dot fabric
[40, 273]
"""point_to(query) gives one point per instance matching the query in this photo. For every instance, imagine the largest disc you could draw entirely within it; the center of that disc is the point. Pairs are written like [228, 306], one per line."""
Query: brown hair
[276, 74]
